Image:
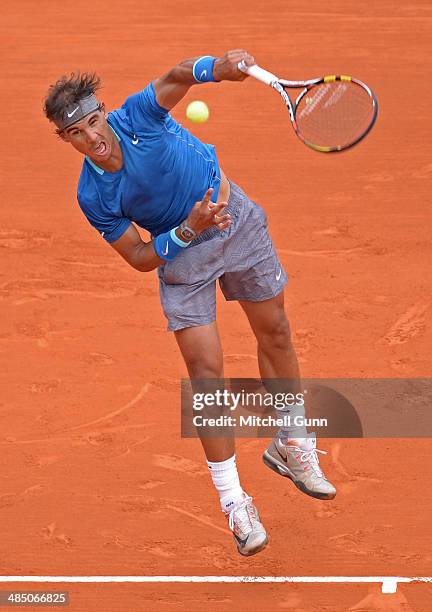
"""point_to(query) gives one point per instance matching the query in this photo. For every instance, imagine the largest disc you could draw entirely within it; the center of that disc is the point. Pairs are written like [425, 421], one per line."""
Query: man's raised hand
[207, 214]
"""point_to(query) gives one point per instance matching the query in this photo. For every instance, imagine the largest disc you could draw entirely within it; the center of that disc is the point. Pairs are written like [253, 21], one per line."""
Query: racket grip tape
[258, 73]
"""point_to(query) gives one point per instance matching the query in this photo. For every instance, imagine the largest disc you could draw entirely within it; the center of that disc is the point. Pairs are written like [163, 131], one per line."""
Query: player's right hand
[207, 214]
[226, 67]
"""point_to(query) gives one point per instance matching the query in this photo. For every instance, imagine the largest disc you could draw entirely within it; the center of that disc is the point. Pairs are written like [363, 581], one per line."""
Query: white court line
[389, 583]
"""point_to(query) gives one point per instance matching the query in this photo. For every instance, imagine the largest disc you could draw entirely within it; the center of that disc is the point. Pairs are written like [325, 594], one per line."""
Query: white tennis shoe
[301, 465]
[245, 523]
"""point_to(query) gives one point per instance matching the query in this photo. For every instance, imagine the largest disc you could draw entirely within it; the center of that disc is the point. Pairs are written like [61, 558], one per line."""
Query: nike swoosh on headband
[73, 112]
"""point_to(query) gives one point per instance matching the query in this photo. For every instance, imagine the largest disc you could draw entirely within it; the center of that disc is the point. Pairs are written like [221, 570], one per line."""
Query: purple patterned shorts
[242, 258]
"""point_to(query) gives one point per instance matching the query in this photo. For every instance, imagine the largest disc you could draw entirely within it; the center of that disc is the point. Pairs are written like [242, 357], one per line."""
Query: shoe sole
[256, 550]
[284, 471]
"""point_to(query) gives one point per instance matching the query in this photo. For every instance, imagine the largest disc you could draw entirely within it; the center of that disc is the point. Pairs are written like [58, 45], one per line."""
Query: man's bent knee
[276, 335]
[204, 365]
[201, 350]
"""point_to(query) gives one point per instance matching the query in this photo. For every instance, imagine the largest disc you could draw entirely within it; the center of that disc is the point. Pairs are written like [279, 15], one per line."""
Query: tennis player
[141, 168]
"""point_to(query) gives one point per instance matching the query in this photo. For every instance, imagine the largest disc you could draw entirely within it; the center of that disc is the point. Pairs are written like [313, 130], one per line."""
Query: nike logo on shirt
[279, 274]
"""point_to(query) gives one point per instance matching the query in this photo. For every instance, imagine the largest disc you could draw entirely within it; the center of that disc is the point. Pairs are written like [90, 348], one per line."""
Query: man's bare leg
[276, 355]
[202, 351]
[291, 453]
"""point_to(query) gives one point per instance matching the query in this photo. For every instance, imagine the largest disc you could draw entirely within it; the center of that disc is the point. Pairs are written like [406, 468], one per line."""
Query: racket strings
[334, 114]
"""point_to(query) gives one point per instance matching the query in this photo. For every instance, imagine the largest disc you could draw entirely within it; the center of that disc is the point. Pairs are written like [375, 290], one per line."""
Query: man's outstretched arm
[175, 84]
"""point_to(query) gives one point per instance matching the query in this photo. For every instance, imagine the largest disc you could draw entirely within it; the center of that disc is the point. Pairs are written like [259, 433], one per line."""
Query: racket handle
[258, 73]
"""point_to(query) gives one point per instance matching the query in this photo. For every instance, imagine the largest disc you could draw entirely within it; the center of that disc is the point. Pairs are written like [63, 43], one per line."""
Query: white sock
[226, 481]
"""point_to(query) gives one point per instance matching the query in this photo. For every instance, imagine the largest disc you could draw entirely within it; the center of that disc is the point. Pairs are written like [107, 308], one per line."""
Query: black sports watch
[186, 233]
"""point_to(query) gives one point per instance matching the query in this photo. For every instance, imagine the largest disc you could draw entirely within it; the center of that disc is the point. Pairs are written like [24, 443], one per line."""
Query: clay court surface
[95, 479]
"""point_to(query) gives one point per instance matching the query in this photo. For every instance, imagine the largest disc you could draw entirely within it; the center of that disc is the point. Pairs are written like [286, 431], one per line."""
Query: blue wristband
[203, 69]
[168, 245]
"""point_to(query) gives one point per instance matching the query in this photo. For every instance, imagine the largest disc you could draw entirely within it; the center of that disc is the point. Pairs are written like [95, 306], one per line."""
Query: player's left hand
[206, 214]
[226, 67]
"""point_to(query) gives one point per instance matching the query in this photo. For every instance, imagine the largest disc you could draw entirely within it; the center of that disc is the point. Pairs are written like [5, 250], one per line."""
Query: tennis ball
[197, 111]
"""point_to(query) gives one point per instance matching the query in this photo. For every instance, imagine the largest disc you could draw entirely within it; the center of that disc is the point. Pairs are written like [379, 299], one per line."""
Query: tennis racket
[332, 113]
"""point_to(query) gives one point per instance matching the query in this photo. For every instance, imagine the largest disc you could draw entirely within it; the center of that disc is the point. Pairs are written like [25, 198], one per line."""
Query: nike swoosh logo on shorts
[279, 274]
[135, 140]
[166, 250]
[203, 74]
[73, 112]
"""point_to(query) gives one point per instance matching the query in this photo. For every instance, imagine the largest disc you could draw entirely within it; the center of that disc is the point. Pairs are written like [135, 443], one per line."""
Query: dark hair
[69, 90]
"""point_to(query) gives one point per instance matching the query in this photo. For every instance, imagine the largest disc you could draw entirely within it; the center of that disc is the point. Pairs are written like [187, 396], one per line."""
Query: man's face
[91, 136]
